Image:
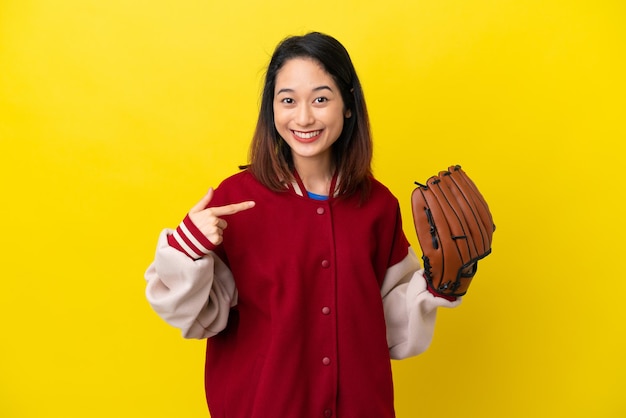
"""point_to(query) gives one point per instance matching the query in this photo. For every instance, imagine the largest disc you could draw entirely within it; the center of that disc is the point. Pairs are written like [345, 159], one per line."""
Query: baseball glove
[454, 228]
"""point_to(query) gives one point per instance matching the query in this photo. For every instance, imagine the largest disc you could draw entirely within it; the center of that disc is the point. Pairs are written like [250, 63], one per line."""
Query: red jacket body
[307, 337]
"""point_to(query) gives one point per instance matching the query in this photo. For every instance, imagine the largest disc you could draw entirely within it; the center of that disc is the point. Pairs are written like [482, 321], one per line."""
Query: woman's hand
[208, 220]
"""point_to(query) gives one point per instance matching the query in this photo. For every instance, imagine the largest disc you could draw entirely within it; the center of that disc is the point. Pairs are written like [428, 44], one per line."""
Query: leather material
[454, 227]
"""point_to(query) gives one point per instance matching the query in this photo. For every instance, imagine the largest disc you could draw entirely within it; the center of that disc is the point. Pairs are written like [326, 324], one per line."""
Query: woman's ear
[348, 114]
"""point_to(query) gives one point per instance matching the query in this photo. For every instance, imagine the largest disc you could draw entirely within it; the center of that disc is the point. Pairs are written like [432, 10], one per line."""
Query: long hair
[270, 157]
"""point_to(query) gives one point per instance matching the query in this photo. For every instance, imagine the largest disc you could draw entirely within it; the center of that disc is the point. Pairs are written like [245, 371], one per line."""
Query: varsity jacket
[303, 304]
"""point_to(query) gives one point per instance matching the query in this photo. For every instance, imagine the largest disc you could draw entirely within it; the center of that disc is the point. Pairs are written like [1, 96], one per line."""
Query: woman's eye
[321, 100]
[287, 100]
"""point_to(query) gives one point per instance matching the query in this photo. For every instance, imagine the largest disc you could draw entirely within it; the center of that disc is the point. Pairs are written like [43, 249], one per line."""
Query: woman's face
[308, 110]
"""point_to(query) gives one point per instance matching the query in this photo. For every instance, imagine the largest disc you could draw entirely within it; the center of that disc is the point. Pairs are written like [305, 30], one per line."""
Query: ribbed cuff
[188, 239]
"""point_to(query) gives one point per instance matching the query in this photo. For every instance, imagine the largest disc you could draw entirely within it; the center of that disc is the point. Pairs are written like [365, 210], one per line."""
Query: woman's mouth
[309, 136]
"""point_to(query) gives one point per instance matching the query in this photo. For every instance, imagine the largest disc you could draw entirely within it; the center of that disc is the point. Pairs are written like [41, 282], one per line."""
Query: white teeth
[306, 135]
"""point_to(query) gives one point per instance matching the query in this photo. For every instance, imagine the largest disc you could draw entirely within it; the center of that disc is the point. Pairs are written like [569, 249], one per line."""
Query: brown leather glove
[454, 228]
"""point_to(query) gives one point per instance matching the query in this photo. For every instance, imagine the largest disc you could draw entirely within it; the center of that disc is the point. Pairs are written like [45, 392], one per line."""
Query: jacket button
[325, 310]
[328, 413]
[320, 211]
[325, 263]
[326, 361]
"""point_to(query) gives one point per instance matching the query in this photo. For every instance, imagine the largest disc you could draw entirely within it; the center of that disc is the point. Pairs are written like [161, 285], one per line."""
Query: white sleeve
[192, 295]
[410, 309]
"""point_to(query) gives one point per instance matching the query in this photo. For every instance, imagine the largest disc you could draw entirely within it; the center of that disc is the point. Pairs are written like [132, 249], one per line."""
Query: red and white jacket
[305, 302]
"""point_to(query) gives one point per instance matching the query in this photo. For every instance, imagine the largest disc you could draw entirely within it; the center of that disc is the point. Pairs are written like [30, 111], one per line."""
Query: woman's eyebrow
[322, 88]
[284, 91]
[288, 90]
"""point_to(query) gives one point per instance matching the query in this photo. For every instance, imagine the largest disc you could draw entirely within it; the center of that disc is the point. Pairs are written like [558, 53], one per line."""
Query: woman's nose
[304, 116]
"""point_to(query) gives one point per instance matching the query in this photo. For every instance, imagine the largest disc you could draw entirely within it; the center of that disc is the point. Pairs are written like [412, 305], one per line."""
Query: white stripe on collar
[296, 188]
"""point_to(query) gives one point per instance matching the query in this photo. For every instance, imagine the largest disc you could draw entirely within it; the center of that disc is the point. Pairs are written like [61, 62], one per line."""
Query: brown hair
[270, 157]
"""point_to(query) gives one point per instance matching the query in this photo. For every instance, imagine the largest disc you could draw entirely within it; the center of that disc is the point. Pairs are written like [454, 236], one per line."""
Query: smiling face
[308, 111]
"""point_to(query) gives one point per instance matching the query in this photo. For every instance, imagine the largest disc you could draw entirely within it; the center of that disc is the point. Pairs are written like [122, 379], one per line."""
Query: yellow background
[116, 116]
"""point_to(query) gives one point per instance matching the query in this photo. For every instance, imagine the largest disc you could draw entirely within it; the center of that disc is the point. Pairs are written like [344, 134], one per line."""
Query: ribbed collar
[298, 186]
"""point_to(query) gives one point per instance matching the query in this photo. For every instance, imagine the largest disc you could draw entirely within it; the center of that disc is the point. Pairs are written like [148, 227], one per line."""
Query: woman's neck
[316, 176]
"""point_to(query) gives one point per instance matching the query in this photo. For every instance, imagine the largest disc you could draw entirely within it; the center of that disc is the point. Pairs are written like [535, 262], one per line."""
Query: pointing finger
[232, 208]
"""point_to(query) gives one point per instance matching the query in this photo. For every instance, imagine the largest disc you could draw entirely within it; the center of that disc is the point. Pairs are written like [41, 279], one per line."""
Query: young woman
[296, 269]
